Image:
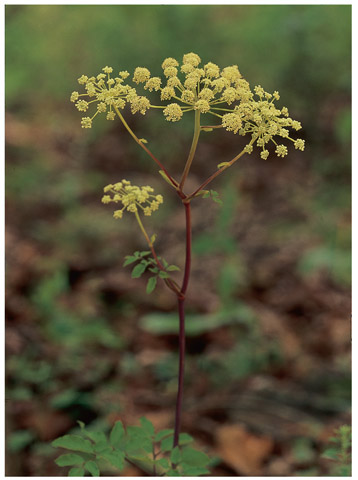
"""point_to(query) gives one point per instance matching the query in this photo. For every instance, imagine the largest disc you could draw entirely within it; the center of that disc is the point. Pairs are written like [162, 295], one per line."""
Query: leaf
[73, 442]
[194, 457]
[140, 457]
[144, 253]
[153, 238]
[97, 437]
[147, 426]
[69, 459]
[173, 268]
[175, 455]
[101, 447]
[138, 440]
[163, 462]
[163, 274]
[116, 459]
[330, 453]
[167, 444]
[129, 259]
[207, 129]
[92, 467]
[215, 197]
[172, 473]
[117, 434]
[203, 193]
[189, 471]
[138, 270]
[223, 164]
[162, 434]
[137, 432]
[217, 200]
[143, 140]
[76, 472]
[152, 282]
[185, 438]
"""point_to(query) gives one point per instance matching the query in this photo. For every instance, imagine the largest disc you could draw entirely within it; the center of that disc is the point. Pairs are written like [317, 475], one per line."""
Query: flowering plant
[209, 92]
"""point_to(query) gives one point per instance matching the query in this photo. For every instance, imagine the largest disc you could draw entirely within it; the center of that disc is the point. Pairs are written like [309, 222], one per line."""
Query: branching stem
[141, 144]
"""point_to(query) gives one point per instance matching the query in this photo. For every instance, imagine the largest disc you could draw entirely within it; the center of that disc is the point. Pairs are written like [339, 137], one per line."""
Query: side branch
[136, 139]
[216, 174]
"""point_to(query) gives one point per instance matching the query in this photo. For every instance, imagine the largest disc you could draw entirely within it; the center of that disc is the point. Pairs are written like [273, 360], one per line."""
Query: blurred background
[268, 367]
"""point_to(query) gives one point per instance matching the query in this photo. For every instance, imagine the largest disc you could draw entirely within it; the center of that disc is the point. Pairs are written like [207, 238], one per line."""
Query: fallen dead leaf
[242, 450]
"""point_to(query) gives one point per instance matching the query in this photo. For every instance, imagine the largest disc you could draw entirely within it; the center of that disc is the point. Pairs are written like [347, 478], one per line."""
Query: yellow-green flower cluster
[132, 198]
[190, 86]
[264, 121]
[203, 88]
[110, 94]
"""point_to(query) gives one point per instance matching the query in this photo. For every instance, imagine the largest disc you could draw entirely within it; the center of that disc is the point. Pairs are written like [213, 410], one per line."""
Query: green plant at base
[151, 451]
[340, 451]
[203, 90]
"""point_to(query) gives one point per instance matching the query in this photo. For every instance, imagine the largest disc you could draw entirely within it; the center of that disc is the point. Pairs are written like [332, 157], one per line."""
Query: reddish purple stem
[181, 300]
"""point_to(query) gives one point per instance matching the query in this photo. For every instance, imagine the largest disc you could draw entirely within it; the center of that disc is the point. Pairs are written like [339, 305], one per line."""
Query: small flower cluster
[109, 93]
[263, 121]
[132, 198]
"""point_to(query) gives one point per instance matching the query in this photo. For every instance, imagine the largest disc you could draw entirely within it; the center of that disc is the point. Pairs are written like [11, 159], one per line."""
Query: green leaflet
[69, 459]
[189, 471]
[129, 259]
[92, 467]
[152, 282]
[116, 459]
[194, 458]
[138, 270]
[117, 434]
[147, 426]
[175, 455]
[73, 442]
[76, 472]
[162, 434]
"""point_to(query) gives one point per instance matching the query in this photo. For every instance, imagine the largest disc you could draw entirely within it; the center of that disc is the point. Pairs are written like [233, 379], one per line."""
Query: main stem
[181, 301]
